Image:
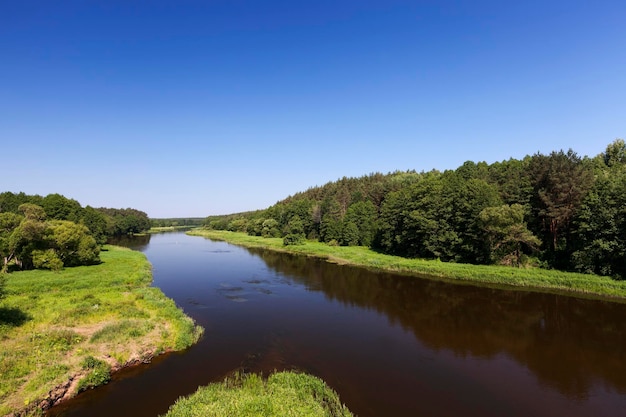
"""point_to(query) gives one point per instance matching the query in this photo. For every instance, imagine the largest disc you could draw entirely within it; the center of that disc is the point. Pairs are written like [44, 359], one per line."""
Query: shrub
[99, 373]
[293, 239]
[47, 259]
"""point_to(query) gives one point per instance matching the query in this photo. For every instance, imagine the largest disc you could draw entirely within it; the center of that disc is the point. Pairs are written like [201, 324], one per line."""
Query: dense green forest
[558, 211]
[54, 231]
[178, 222]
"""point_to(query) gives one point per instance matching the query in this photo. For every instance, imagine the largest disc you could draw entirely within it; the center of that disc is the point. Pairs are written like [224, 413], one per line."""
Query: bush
[47, 259]
[99, 373]
[293, 239]
[270, 228]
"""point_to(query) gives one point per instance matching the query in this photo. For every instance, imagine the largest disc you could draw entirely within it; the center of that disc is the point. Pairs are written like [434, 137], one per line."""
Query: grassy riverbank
[282, 394]
[62, 332]
[493, 275]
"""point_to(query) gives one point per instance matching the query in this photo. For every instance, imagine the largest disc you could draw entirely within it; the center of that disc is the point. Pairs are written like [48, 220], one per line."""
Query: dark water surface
[390, 345]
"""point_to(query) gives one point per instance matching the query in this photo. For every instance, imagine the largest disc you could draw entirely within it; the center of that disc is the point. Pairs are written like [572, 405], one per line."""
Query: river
[390, 345]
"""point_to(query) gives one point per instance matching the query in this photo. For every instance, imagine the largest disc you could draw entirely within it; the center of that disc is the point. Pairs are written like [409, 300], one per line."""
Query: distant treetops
[556, 211]
[53, 231]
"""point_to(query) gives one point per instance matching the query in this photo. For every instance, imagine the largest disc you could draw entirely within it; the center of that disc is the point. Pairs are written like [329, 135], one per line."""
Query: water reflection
[135, 242]
[390, 345]
[568, 343]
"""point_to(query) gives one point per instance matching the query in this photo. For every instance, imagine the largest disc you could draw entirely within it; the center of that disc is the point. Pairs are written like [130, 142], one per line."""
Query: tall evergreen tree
[561, 181]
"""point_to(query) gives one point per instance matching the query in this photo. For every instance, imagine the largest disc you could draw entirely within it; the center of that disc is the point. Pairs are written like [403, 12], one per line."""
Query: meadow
[66, 331]
[537, 279]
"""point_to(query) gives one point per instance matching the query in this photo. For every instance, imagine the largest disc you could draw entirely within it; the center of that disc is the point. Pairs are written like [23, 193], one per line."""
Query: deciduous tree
[72, 243]
[507, 233]
[270, 228]
[600, 226]
[615, 153]
[294, 232]
[8, 223]
[362, 215]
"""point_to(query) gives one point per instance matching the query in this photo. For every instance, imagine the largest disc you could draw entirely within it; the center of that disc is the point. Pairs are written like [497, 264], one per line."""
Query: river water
[390, 345]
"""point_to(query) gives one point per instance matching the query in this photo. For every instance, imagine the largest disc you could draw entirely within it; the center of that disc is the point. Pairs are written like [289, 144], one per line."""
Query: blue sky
[191, 108]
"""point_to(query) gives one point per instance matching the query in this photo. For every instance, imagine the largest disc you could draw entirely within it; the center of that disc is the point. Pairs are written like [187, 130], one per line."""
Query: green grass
[535, 279]
[51, 322]
[283, 394]
[98, 373]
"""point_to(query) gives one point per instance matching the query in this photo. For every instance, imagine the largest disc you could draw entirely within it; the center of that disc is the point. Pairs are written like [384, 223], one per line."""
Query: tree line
[559, 210]
[54, 231]
[178, 222]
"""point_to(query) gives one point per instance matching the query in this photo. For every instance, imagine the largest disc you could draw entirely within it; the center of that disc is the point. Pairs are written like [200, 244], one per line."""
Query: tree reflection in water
[568, 343]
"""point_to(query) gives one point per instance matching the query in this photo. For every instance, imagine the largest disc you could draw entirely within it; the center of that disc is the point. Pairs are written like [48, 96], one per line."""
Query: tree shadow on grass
[13, 317]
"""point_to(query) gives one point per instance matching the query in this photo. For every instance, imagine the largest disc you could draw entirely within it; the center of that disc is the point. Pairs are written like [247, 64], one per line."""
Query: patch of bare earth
[137, 351]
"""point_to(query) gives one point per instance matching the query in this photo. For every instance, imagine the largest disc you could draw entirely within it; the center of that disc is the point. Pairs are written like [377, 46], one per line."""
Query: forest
[557, 211]
[177, 222]
[54, 231]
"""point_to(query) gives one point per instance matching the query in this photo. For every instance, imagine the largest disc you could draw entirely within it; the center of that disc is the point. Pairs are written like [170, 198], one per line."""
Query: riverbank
[491, 275]
[66, 331]
[282, 394]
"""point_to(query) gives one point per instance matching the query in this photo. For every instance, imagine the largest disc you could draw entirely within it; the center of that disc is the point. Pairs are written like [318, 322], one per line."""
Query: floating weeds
[236, 299]
[257, 281]
[232, 289]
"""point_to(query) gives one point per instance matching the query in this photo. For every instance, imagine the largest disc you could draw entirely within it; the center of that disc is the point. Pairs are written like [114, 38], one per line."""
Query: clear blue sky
[190, 108]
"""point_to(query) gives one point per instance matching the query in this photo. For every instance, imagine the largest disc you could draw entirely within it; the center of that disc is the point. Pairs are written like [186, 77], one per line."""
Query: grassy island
[64, 332]
[493, 275]
[282, 394]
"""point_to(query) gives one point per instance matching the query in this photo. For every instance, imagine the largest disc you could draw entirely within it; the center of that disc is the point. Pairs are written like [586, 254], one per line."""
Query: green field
[491, 275]
[283, 394]
[81, 323]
